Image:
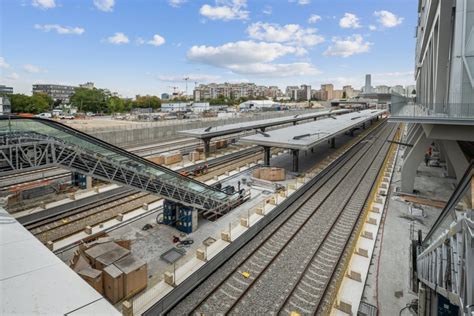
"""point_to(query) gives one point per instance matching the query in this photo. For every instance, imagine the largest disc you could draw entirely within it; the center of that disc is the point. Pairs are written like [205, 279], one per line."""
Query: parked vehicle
[44, 115]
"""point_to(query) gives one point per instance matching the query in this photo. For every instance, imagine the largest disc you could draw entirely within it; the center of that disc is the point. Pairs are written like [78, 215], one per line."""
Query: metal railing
[445, 260]
[433, 112]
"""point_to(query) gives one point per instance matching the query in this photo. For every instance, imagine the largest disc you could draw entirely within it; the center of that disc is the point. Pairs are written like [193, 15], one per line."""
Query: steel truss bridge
[32, 143]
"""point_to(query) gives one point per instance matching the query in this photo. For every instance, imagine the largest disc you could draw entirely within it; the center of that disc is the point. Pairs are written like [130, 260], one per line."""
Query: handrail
[108, 146]
[453, 200]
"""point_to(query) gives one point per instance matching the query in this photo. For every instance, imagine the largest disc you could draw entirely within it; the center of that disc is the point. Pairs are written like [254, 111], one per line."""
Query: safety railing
[445, 261]
[432, 112]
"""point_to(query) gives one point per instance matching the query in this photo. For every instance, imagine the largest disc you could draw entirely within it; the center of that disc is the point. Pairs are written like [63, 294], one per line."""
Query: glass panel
[94, 146]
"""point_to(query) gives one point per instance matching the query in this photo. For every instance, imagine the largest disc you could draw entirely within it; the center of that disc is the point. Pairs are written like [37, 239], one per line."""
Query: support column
[456, 157]
[207, 146]
[295, 123]
[333, 142]
[266, 155]
[412, 161]
[295, 153]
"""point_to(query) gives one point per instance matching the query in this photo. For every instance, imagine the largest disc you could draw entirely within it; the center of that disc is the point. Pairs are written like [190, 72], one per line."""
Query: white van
[44, 115]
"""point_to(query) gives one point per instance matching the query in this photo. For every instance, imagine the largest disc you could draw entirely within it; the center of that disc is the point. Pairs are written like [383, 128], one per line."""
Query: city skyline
[269, 43]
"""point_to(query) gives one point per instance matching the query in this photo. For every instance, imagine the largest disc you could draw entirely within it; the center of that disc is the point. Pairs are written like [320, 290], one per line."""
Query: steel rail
[294, 212]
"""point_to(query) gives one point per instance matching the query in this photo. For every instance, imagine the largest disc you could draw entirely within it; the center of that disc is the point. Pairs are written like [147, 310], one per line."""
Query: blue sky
[148, 46]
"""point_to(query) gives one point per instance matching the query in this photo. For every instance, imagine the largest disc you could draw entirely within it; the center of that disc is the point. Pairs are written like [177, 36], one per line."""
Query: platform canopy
[306, 136]
[210, 132]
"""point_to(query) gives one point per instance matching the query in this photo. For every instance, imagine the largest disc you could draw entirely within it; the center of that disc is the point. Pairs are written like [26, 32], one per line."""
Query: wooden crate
[135, 274]
[110, 257]
[93, 277]
[158, 160]
[113, 283]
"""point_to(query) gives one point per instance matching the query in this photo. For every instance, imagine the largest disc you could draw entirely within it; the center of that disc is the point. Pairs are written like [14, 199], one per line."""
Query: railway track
[289, 265]
[46, 224]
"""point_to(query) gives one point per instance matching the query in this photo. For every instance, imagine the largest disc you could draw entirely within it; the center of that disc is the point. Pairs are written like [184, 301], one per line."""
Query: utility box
[135, 274]
[169, 212]
[113, 283]
[187, 219]
[93, 277]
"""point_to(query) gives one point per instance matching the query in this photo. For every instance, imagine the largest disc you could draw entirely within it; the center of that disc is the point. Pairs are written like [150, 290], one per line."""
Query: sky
[149, 46]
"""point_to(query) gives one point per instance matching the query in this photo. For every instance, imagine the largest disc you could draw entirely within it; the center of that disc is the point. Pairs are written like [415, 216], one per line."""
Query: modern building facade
[55, 91]
[442, 118]
[368, 84]
[4, 90]
[234, 91]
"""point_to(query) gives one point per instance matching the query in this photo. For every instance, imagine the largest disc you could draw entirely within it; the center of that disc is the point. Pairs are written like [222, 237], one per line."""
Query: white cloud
[267, 10]
[13, 76]
[157, 40]
[291, 34]
[118, 39]
[372, 27]
[301, 2]
[314, 18]
[192, 78]
[176, 3]
[249, 57]
[348, 46]
[140, 41]
[32, 68]
[349, 21]
[44, 4]
[104, 5]
[388, 19]
[60, 29]
[226, 10]
[3, 63]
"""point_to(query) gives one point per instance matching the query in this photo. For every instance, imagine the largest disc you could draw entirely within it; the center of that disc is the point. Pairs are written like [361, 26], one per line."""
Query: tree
[413, 92]
[37, 103]
[148, 101]
[115, 105]
[344, 94]
[90, 100]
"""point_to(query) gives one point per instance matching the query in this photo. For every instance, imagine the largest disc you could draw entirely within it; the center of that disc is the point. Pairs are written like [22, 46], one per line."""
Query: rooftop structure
[34, 281]
[5, 90]
[307, 135]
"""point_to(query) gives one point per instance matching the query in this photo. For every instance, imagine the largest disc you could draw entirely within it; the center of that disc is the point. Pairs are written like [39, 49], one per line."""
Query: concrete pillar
[412, 161]
[207, 146]
[333, 142]
[127, 308]
[295, 123]
[266, 155]
[295, 153]
[88, 182]
[444, 157]
[456, 157]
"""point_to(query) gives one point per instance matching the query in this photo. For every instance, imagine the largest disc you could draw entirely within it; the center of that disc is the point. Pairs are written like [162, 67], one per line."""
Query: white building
[257, 105]
[175, 107]
[368, 84]
[199, 107]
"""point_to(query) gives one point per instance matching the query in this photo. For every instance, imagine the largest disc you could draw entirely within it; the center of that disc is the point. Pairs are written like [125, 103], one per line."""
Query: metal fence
[433, 111]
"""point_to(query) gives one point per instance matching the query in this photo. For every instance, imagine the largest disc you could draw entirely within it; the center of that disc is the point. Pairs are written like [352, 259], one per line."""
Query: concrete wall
[162, 131]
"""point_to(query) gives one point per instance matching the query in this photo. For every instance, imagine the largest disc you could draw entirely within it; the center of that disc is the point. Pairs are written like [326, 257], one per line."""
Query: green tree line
[85, 100]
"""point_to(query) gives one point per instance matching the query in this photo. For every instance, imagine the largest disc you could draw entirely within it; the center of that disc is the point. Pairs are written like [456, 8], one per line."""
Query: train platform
[404, 216]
